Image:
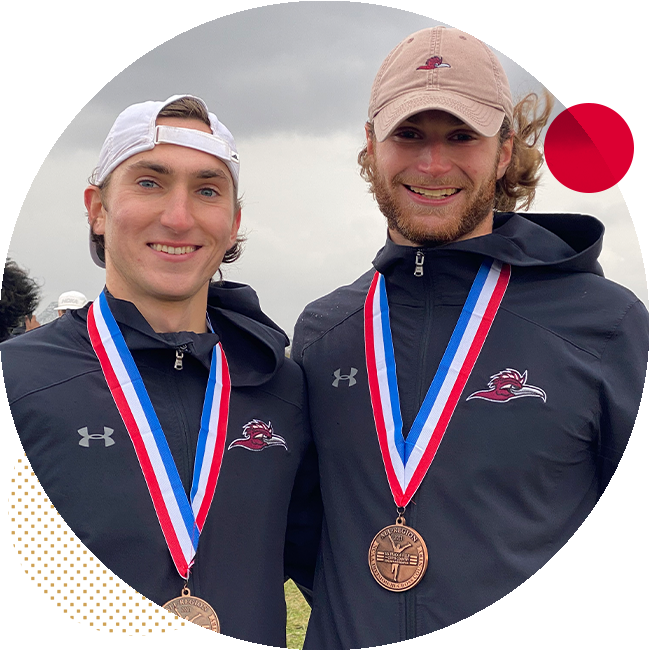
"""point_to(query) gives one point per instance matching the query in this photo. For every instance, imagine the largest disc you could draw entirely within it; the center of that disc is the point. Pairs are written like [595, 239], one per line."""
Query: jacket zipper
[419, 264]
[192, 582]
[410, 608]
[178, 363]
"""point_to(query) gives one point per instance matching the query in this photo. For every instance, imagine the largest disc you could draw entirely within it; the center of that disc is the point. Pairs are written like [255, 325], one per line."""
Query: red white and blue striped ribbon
[181, 519]
[408, 460]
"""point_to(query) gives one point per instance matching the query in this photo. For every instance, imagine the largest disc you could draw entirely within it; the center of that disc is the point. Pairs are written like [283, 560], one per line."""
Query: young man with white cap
[163, 420]
[471, 395]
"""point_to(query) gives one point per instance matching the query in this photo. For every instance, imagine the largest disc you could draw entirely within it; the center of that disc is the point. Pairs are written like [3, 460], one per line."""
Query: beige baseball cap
[440, 68]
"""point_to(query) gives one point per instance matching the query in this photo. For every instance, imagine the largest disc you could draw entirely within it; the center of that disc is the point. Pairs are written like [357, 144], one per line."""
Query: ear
[95, 209]
[236, 223]
[370, 140]
[505, 156]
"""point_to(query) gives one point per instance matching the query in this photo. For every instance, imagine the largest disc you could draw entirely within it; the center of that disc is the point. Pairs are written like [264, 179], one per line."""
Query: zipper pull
[178, 364]
[419, 264]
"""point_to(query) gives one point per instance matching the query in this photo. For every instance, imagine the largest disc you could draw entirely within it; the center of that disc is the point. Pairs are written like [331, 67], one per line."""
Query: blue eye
[147, 183]
[208, 192]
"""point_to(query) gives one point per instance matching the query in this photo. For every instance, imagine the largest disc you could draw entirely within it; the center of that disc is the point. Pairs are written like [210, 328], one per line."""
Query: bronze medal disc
[186, 623]
[398, 557]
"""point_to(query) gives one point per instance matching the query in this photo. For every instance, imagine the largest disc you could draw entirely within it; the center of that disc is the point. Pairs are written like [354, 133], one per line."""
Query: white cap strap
[194, 139]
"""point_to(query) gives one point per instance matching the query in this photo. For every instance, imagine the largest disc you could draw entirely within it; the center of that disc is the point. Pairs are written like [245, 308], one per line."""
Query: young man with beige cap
[470, 396]
[163, 420]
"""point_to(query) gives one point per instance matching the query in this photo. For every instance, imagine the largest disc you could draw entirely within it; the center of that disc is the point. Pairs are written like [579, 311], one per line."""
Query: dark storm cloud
[275, 66]
[292, 82]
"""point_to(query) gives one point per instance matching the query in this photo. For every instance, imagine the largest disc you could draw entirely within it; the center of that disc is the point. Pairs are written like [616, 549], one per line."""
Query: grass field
[297, 615]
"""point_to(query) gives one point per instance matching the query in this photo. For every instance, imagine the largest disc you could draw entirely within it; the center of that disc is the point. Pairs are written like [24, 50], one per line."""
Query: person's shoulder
[287, 383]
[341, 302]
[27, 342]
[603, 296]
[618, 308]
[621, 310]
[331, 310]
[581, 307]
[44, 356]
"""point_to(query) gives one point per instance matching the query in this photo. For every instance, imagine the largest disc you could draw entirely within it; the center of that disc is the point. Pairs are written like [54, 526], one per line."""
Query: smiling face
[167, 216]
[434, 178]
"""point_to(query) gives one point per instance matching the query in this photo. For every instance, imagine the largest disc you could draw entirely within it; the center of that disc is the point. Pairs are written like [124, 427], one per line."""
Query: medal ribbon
[407, 460]
[181, 519]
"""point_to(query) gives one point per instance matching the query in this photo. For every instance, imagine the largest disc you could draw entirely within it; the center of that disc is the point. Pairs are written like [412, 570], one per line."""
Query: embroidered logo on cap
[433, 63]
[506, 385]
[257, 436]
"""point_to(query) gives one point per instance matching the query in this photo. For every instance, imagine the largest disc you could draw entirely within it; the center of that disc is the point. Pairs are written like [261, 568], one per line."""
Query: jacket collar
[253, 344]
[565, 242]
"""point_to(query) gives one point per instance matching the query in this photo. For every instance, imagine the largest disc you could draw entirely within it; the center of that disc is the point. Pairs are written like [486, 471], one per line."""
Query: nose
[434, 159]
[177, 212]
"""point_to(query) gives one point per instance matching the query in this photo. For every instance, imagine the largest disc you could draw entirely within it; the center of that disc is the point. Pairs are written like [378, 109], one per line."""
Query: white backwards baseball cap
[445, 69]
[135, 130]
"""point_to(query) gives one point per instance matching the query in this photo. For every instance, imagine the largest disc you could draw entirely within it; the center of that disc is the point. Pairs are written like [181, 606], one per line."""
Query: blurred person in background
[70, 300]
[20, 298]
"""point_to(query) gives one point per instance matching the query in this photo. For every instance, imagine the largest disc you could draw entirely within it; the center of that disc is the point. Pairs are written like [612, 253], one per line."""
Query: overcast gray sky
[291, 82]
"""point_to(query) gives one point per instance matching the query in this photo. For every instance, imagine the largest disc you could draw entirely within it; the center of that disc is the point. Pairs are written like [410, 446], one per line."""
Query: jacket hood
[253, 343]
[258, 343]
[566, 242]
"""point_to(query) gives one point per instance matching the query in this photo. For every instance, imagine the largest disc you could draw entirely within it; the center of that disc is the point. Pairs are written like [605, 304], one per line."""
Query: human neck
[166, 315]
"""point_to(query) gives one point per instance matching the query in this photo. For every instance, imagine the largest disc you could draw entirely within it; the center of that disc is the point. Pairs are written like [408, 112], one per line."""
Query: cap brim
[484, 119]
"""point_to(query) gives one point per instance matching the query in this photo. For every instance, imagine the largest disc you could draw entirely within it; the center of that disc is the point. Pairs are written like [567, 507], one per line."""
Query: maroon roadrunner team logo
[433, 63]
[257, 436]
[506, 385]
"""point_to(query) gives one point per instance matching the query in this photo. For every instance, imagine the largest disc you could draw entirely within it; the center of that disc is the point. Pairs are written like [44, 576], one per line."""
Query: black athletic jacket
[80, 451]
[514, 478]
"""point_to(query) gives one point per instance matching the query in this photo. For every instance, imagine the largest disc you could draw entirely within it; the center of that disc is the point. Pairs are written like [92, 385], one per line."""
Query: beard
[455, 226]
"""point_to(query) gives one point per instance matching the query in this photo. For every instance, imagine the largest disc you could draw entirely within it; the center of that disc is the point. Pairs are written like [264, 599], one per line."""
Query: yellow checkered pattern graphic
[78, 584]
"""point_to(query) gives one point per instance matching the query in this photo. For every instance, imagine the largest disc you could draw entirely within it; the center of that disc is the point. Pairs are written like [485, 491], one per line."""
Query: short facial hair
[400, 221]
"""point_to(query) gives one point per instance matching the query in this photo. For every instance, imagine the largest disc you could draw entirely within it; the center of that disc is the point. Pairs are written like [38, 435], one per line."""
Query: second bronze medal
[398, 557]
[186, 623]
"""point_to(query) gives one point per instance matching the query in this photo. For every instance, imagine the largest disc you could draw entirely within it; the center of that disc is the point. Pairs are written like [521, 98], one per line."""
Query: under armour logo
[87, 437]
[349, 378]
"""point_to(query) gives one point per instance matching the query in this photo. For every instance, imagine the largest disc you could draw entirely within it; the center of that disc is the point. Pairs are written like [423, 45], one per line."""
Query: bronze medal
[398, 557]
[186, 623]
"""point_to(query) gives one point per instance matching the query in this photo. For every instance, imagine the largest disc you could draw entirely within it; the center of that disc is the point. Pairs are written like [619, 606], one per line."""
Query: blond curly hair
[516, 189]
